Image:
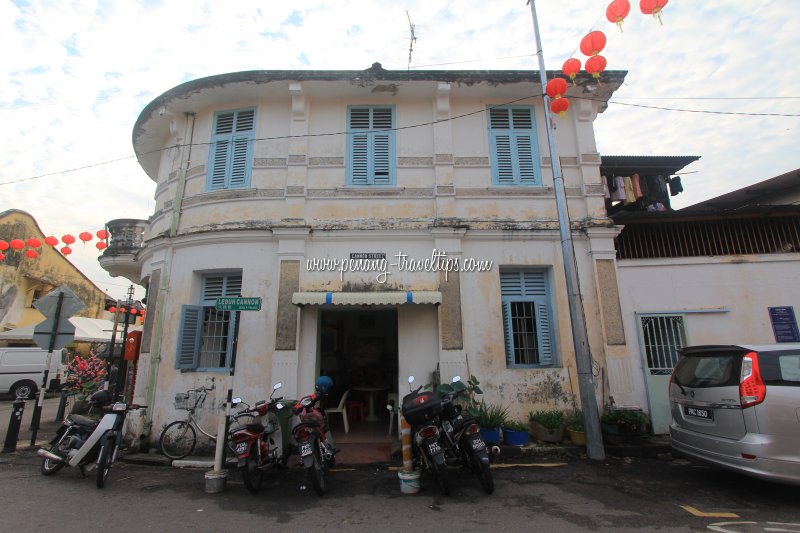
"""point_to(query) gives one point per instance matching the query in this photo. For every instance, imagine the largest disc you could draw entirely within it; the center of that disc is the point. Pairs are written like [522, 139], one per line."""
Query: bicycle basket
[181, 400]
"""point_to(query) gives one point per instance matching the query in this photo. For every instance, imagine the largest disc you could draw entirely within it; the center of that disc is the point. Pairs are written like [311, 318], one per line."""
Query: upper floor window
[205, 337]
[230, 162]
[370, 145]
[527, 317]
[514, 147]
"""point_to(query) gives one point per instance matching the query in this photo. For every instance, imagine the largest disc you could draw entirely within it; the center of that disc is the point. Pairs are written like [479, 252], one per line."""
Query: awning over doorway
[367, 298]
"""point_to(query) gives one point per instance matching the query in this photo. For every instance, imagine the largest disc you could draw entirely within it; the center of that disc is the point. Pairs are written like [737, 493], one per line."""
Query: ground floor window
[526, 317]
[662, 337]
[205, 339]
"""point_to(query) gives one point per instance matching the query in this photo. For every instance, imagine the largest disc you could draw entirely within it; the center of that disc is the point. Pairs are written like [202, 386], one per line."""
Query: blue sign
[784, 324]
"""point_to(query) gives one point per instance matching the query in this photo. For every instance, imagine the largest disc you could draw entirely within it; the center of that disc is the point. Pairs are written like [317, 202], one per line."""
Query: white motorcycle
[87, 443]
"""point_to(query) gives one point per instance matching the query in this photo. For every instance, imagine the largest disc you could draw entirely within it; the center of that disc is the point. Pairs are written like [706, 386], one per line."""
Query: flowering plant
[85, 374]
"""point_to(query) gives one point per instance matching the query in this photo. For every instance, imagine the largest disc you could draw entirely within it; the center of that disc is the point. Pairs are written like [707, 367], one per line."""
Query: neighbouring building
[23, 280]
[369, 225]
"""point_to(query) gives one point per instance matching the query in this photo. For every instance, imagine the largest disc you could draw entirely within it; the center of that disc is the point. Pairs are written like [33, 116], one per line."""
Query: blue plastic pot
[490, 436]
[516, 438]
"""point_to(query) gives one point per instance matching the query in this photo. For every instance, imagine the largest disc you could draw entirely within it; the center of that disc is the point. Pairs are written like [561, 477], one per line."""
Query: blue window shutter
[515, 154]
[231, 156]
[370, 149]
[189, 336]
[529, 286]
[543, 327]
[509, 334]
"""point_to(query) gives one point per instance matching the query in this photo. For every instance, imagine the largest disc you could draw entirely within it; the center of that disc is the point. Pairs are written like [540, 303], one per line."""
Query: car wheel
[24, 389]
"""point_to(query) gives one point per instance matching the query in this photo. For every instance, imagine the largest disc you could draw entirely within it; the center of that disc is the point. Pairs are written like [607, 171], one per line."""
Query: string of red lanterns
[591, 45]
[34, 244]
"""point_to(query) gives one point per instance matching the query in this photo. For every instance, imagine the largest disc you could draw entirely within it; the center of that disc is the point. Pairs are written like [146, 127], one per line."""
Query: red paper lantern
[112, 309]
[617, 11]
[653, 7]
[102, 234]
[66, 250]
[85, 236]
[17, 244]
[4, 246]
[50, 241]
[2, 257]
[31, 254]
[571, 68]
[134, 312]
[595, 65]
[560, 106]
[101, 245]
[122, 309]
[33, 242]
[67, 239]
[593, 43]
[556, 88]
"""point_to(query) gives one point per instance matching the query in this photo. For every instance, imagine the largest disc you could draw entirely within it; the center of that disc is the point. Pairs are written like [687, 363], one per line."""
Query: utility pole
[583, 355]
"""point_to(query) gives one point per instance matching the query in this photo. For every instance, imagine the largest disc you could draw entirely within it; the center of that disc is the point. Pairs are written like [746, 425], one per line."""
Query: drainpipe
[185, 158]
[155, 354]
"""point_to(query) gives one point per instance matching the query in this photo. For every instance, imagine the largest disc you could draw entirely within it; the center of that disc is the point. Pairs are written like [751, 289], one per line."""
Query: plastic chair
[356, 410]
[391, 399]
[341, 410]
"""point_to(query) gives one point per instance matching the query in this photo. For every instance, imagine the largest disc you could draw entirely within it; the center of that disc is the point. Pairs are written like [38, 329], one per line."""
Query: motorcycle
[314, 442]
[87, 443]
[421, 410]
[260, 445]
[462, 438]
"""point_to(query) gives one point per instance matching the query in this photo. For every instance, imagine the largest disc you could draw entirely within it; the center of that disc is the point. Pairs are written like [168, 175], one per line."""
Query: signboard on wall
[784, 324]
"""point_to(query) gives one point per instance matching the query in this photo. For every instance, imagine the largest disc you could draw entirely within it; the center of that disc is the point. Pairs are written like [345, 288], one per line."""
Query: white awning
[86, 330]
[367, 298]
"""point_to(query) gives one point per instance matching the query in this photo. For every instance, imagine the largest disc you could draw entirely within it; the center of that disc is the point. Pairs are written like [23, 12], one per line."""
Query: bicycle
[179, 438]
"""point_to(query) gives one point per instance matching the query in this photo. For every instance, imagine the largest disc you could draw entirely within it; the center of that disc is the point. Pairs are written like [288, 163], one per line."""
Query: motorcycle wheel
[104, 462]
[252, 475]
[440, 473]
[49, 466]
[177, 440]
[484, 473]
[316, 472]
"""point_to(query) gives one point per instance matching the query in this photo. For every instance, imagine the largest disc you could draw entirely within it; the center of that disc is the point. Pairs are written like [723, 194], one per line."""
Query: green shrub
[514, 425]
[491, 416]
[630, 418]
[574, 421]
[551, 419]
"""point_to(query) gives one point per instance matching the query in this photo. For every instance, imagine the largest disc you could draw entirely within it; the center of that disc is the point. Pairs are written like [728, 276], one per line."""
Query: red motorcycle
[259, 446]
[311, 433]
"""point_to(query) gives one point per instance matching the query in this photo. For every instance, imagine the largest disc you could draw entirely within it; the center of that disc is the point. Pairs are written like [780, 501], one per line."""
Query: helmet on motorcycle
[101, 397]
[323, 384]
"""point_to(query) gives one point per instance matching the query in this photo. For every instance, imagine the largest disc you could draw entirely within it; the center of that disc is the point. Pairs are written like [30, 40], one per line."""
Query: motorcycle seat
[84, 421]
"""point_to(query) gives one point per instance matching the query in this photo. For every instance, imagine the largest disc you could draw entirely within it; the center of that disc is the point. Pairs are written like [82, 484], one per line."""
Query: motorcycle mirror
[279, 405]
[410, 380]
[277, 386]
[390, 407]
[236, 401]
[456, 379]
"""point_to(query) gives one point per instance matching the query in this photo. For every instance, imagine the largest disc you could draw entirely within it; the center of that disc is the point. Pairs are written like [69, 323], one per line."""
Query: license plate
[697, 412]
[305, 449]
[478, 444]
[434, 448]
[241, 448]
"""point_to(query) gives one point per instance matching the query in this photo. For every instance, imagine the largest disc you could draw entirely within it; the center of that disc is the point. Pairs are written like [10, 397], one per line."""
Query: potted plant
[547, 425]
[624, 423]
[490, 418]
[516, 433]
[575, 428]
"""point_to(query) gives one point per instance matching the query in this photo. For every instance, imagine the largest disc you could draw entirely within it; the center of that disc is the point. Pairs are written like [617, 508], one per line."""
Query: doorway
[358, 350]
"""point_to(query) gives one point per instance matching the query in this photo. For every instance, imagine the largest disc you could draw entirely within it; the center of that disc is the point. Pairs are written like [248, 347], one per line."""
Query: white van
[21, 371]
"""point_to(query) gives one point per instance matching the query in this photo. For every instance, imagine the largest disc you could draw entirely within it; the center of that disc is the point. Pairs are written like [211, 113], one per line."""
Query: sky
[75, 75]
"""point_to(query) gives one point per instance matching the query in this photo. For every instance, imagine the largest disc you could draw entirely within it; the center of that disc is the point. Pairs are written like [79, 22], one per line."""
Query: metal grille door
[663, 336]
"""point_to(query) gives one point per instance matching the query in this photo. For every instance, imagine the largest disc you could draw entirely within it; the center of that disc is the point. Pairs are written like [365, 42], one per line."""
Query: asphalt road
[565, 493]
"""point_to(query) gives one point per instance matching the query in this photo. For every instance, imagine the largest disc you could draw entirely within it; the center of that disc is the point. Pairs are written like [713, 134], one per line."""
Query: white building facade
[385, 224]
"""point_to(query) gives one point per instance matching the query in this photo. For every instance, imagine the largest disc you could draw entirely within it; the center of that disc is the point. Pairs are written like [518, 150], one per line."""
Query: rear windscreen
[713, 370]
[780, 368]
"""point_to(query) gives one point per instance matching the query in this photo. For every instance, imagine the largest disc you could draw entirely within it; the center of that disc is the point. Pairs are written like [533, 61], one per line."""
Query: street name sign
[239, 303]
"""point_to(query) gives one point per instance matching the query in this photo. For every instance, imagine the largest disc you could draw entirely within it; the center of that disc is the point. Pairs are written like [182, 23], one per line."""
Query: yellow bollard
[405, 439]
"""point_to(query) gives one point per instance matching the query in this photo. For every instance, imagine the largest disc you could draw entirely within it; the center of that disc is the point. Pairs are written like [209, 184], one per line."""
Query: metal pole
[37, 410]
[583, 356]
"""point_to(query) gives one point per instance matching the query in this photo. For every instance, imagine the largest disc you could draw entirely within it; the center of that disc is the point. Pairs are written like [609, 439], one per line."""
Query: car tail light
[752, 390]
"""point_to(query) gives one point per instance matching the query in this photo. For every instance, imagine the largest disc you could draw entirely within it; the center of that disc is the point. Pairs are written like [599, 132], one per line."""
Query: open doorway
[358, 350]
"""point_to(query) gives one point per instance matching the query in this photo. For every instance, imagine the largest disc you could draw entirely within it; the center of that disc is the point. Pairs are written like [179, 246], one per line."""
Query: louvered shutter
[370, 149]
[513, 143]
[509, 333]
[543, 328]
[189, 336]
[527, 285]
[232, 151]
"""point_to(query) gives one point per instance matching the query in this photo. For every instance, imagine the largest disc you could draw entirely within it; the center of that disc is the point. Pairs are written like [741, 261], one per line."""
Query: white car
[738, 407]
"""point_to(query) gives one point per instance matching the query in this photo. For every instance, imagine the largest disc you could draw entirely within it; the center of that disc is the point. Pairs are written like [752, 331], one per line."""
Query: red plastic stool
[355, 407]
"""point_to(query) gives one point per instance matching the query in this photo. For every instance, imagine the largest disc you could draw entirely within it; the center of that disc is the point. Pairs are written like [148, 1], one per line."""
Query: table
[371, 415]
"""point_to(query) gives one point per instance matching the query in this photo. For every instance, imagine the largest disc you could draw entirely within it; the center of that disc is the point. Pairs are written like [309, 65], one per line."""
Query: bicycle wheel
[104, 461]
[178, 440]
